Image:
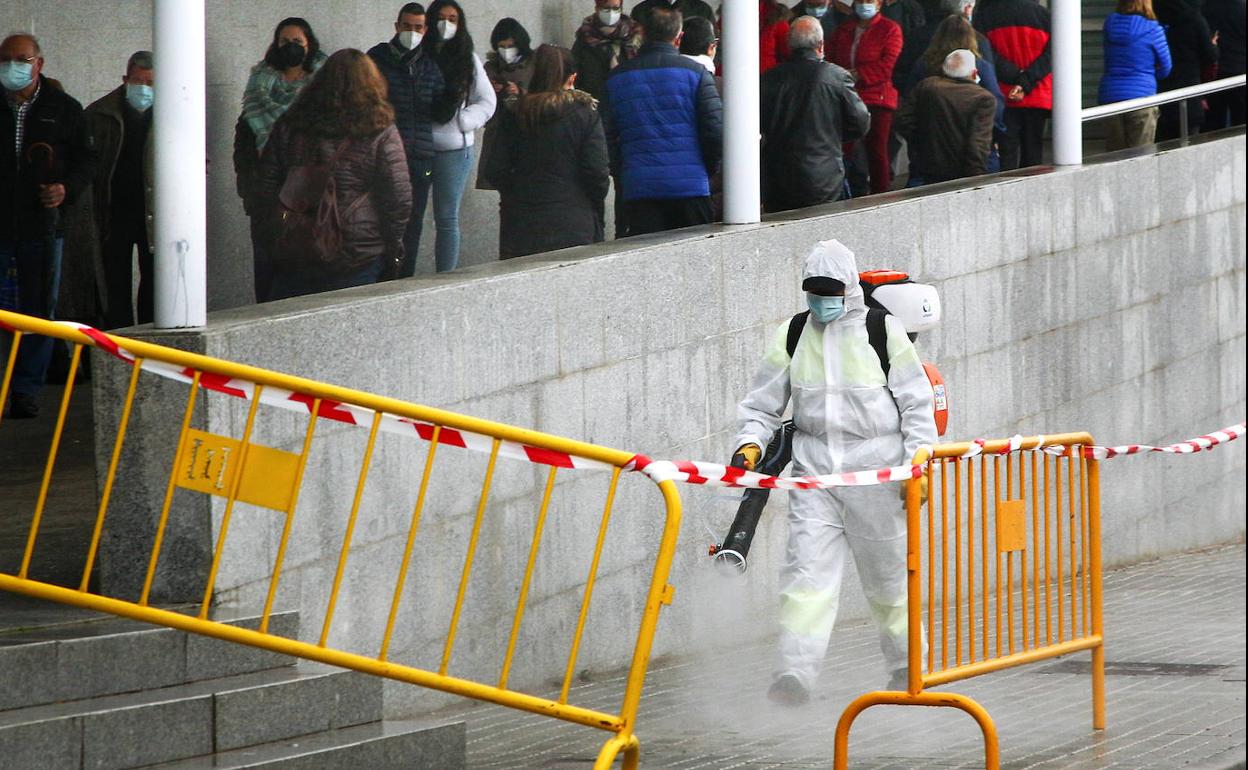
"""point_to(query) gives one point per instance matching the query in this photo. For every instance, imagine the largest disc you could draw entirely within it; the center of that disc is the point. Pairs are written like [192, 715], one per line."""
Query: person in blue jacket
[664, 125]
[1136, 57]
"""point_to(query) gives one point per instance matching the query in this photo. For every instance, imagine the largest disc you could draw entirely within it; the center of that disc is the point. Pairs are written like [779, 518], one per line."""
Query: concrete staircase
[80, 690]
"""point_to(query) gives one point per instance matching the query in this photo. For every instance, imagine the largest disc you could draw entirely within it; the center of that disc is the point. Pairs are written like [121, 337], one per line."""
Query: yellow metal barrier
[1043, 516]
[241, 471]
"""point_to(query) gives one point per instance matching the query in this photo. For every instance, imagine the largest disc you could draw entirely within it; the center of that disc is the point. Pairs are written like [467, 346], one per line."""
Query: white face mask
[609, 18]
[409, 39]
[509, 55]
[447, 29]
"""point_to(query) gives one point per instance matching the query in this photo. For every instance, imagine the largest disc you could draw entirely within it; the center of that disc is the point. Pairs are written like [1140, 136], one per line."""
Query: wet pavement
[1175, 651]
[69, 508]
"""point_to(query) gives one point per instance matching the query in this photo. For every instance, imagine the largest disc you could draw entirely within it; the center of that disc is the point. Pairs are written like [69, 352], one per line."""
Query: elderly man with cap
[849, 416]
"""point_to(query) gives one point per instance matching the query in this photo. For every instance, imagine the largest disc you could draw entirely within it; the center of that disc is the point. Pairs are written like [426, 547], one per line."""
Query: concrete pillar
[742, 174]
[180, 147]
[1066, 50]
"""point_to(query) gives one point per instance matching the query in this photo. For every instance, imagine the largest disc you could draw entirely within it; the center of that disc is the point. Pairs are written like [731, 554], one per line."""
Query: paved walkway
[1187, 610]
[69, 510]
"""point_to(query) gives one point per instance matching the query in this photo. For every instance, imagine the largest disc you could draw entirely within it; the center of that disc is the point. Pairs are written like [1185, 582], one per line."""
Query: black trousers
[118, 259]
[261, 260]
[1226, 109]
[656, 216]
[1170, 123]
[1023, 142]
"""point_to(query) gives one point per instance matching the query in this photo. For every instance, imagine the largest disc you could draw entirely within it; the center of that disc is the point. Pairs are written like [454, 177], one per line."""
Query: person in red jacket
[773, 34]
[1019, 33]
[868, 45]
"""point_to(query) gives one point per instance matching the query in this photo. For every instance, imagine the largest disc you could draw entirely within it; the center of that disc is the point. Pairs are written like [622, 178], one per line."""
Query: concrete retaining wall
[1107, 298]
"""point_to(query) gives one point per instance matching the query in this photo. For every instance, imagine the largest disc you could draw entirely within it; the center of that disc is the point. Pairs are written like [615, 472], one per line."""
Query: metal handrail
[1165, 97]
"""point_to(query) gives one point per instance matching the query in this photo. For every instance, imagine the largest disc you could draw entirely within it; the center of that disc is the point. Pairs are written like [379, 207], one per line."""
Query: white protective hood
[849, 417]
[831, 259]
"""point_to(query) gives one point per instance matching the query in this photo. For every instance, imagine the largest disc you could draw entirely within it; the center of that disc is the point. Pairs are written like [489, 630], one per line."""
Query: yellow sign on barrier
[210, 462]
[1011, 526]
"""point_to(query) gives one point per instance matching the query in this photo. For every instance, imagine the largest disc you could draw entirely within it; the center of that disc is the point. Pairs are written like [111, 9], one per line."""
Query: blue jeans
[450, 176]
[421, 172]
[39, 284]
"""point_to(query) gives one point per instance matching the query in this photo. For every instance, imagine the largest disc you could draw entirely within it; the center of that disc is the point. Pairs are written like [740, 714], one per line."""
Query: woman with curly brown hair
[550, 163]
[335, 177]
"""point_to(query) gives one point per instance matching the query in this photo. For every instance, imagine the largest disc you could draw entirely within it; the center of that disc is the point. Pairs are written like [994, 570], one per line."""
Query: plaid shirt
[19, 117]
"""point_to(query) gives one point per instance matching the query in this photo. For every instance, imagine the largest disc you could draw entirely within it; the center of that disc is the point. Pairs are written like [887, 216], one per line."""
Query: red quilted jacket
[1019, 33]
[876, 57]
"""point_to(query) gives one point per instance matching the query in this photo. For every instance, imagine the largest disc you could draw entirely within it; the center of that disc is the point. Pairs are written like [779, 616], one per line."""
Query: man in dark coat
[1226, 19]
[414, 81]
[910, 17]
[809, 108]
[687, 8]
[938, 12]
[120, 124]
[949, 117]
[1193, 52]
[46, 162]
[828, 12]
[664, 126]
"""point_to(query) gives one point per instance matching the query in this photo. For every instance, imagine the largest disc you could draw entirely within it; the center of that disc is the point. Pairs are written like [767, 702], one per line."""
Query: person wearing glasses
[46, 161]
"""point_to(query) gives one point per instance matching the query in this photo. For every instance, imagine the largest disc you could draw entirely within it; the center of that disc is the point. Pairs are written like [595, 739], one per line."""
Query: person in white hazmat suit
[848, 417]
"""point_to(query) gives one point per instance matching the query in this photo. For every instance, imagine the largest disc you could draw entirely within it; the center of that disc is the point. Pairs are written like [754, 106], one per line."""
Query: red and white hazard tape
[711, 474]
[342, 412]
[688, 472]
[715, 475]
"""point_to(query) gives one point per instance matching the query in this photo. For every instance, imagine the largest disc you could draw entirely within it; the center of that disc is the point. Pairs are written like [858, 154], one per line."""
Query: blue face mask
[139, 96]
[866, 11]
[825, 309]
[816, 10]
[16, 75]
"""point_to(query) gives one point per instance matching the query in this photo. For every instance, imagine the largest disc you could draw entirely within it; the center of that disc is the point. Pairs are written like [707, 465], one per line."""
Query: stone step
[171, 723]
[412, 745]
[50, 657]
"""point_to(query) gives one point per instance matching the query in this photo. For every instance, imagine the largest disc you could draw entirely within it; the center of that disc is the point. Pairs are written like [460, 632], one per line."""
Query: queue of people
[636, 101]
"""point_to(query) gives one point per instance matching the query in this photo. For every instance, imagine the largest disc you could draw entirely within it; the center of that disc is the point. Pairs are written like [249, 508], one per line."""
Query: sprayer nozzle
[730, 562]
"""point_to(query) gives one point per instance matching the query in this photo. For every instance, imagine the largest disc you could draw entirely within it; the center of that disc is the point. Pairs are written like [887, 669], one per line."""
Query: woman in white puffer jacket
[465, 106]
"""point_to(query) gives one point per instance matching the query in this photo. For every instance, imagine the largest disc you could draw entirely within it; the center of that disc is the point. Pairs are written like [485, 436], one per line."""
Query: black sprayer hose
[736, 546]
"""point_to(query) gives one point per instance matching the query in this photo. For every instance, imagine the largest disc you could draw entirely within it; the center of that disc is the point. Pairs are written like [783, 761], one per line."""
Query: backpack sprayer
[887, 292]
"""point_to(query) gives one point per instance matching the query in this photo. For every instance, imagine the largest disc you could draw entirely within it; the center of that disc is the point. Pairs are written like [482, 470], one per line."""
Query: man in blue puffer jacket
[1136, 57]
[664, 124]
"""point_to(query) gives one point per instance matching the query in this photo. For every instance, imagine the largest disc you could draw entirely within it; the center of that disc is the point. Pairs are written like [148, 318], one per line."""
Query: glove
[922, 490]
[746, 457]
